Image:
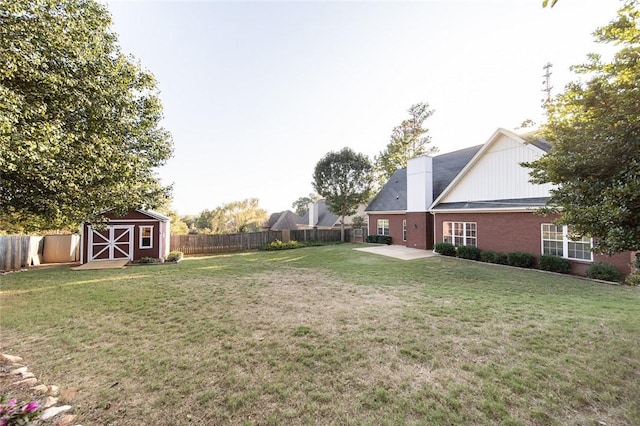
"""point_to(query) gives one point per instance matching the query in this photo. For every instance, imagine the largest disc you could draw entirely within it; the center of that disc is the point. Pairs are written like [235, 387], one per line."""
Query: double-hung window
[383, 226]
[557, 241]
[460, 233]
[146, 237]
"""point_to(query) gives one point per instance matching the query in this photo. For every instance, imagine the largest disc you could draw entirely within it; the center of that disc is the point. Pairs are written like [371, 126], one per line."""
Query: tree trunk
[342, 229]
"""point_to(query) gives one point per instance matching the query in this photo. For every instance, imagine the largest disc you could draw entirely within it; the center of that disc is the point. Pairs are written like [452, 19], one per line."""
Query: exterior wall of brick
[505, 232]
[420, 230]
[395, 226]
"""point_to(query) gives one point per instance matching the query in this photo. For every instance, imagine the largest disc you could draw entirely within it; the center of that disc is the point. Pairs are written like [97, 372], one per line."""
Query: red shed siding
[395, 226]
[505, 232]
[135, 219]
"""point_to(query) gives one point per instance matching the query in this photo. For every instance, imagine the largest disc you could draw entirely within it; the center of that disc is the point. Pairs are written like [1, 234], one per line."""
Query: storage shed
[137, 234]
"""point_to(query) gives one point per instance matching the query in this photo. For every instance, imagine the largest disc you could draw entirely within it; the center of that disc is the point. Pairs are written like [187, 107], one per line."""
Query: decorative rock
[50, 402]
[28, 375]
[54, 411]
[30, 381]
[11, 358]
[66, 420]
[41, 388]
[18, 371]
[54, 390]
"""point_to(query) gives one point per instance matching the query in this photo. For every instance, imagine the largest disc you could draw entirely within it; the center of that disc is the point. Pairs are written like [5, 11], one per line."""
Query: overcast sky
[256, 93]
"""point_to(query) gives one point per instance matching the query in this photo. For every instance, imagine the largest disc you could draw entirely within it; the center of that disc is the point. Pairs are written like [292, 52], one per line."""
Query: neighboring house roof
[326, 218]
[393, 195]
[283, 221]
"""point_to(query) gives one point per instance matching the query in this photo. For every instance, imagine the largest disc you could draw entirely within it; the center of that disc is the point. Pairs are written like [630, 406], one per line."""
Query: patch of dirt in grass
[324, 304]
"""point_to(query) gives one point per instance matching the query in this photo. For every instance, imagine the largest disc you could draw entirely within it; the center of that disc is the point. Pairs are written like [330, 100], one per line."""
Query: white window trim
[378, 227]
[565, 243]
[464, 237]
[140, 245]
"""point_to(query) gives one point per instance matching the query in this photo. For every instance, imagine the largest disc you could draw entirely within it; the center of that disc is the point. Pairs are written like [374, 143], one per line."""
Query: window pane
[383, 226]
[552, 247]
[579, 250]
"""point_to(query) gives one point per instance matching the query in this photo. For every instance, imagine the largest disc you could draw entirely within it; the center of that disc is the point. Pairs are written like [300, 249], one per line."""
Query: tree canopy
[594, 128]
[79, 120]
[344, 180]
[408, 140]
[301, 205]
[231, 218]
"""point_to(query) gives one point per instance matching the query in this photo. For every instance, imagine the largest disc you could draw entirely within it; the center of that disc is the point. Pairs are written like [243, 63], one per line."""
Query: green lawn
[328, 335]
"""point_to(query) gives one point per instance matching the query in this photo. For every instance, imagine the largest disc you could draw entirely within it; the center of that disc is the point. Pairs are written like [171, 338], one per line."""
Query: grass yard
[328, 335]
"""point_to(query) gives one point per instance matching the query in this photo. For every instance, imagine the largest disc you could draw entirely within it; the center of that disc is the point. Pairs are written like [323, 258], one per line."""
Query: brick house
[479, 196]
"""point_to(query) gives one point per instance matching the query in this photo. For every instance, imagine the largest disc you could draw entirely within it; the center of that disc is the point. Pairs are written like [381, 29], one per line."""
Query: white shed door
[111, 243]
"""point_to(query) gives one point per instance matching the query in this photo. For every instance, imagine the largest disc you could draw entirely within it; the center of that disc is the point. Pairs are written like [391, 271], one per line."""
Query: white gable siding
[498, 175]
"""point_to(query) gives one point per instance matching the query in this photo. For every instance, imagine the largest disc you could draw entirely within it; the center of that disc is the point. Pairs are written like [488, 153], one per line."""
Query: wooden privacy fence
[222, 243]
[17, 252]
[228, 243]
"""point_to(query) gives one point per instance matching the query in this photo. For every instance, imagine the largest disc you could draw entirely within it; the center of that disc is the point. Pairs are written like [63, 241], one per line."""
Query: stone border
[51, 413]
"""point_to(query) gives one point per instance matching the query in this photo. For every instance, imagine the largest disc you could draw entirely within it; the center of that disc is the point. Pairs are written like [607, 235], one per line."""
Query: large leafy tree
[594, 128]
[344, 179]
[408, 140]
[79, 120]
[231, 218]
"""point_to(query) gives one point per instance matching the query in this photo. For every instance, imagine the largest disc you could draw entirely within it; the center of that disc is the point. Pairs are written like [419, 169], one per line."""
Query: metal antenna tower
[547, 81]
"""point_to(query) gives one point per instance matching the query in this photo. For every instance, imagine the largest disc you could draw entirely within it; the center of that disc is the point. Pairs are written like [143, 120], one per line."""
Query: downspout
[434, 231]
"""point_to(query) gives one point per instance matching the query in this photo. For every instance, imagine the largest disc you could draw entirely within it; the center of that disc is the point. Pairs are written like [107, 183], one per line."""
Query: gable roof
[282, 221]
[325, 216]
[393, 195]
[537, 147]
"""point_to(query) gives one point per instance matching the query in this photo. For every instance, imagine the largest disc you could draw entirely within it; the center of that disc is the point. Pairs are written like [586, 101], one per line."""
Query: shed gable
[496, 174]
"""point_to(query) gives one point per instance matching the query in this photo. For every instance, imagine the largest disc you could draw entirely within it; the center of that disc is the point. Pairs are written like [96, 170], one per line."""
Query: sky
[256, 93]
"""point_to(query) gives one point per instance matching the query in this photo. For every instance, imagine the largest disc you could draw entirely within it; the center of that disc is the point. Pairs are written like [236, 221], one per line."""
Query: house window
[383, 226]
[404, 230]
[146, 237]
[459, 233]
[556, 241]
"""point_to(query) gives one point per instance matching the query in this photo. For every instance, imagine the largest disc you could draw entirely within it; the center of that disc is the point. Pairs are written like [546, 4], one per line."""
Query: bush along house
[480, 197]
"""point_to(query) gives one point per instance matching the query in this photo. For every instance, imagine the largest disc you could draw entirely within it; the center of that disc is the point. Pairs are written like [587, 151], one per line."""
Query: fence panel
[228, 243]
[14, 252]
[222, 243]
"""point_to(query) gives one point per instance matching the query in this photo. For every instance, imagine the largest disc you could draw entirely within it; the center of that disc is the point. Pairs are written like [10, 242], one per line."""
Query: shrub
[379, 239]
[279, 245]
[468, 252]
[604, 271]
[174, 256]
[493, 257]
[553, 263]
[445, 249]
[520, 259]
[147, 260]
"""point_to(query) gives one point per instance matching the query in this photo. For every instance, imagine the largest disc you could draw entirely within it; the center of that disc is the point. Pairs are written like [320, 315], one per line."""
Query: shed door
[111, 243]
